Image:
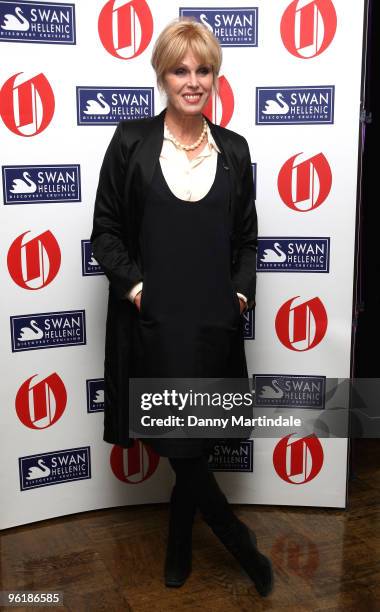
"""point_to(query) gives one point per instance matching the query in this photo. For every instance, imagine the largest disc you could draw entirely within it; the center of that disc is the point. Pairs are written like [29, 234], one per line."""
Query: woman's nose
[193, 79]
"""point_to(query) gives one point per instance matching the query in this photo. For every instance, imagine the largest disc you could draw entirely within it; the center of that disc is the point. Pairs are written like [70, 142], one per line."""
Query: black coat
[125, 175]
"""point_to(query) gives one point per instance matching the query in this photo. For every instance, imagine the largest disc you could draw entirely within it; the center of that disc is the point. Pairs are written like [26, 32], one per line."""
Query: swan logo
[220, 107]
[299, 460]
[34, 263]
[232, 27]
[90, 266]
[55, 467]
[301, 327]
[248, 318]
[125, 28]
[38, 22]
[308, 28]
[42, 184]
[109, 105]
[305, 183]
[48, 330]
[134, 465]
[281, 254]
[27, 106]
[41, 404]
[294, 105]
[289, 390]
[237, 457]
[95, 394]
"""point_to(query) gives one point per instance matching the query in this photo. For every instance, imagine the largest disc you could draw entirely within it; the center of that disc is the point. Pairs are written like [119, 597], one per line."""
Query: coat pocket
[236, 302]
[147, 313]
[142, 301]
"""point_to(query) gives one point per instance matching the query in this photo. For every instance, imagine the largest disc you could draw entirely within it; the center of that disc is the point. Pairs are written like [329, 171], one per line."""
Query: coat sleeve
[244, 265]
[108, 237]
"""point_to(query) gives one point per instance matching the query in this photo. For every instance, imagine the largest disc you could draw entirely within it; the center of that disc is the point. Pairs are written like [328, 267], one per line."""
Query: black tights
[196, 487]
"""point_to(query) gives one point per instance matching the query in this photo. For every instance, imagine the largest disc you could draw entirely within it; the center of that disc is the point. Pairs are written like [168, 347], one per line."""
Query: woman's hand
[137, 300]
[242, 305]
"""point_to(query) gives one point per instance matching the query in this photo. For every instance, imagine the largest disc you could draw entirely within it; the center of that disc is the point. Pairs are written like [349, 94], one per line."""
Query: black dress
[189, 321]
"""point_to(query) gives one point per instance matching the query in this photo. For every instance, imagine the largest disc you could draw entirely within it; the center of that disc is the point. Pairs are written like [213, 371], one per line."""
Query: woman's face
[188, 85]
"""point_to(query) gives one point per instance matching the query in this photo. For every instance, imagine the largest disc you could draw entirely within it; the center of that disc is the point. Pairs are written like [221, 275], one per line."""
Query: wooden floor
[112, 559]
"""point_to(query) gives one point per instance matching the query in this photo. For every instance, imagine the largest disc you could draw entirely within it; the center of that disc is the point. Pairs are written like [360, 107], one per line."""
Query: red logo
[308, 28]
[35, 263]
[41, 405]
[298, 461]
[301, 327]
[299, 555]
[305, 185]
[220, 107]
[28, 107]
[134, 465]
[125, 29]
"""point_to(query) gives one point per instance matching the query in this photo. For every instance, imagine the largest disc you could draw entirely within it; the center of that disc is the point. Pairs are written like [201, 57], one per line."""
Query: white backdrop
[308, 52]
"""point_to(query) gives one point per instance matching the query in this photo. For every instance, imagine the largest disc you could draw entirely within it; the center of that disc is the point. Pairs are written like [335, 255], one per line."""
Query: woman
[175, 232]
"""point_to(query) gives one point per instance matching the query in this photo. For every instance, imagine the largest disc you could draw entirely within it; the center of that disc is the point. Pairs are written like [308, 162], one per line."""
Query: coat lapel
[146, 157]
[222, 141]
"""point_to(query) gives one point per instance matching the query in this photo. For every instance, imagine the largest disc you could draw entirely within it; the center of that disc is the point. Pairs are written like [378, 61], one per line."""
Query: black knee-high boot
[239, 540]
[179, 546]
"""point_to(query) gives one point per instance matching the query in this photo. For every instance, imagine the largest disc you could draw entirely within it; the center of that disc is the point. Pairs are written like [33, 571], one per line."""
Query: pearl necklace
[193, 146]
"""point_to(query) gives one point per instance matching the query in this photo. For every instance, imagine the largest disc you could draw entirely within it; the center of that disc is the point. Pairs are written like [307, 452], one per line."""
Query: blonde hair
[177, 39]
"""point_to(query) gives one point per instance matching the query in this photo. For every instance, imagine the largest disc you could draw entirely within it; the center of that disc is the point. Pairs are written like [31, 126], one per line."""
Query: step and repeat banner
[290, 83]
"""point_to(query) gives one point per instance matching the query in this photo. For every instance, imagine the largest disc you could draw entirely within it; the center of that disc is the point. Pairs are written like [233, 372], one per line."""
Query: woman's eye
[182, 71]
